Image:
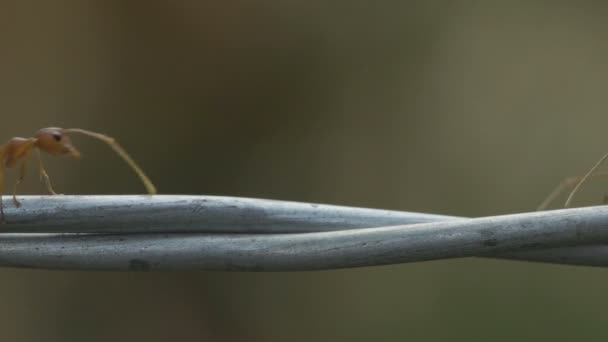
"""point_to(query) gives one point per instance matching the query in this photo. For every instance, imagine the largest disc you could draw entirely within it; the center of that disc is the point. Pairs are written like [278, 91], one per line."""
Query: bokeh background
[450, 107]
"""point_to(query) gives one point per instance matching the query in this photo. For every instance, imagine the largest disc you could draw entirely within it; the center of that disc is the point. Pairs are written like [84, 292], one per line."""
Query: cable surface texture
[174, 232]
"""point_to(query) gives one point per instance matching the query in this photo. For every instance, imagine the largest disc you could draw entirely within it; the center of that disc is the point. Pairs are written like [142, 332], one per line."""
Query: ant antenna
[121, 152]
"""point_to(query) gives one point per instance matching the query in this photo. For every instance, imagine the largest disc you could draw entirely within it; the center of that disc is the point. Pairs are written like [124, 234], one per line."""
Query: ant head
[53, 141]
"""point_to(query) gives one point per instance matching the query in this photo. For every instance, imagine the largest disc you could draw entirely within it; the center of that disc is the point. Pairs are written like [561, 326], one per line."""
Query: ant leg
[565, 185]
[20, 179]
[44, 176]
[584, 179]
[2, 221]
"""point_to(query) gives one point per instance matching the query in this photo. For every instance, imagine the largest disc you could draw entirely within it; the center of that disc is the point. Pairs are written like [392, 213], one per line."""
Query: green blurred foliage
[461, 108]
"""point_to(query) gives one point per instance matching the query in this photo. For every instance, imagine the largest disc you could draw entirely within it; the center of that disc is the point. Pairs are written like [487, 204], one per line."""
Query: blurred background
[450, 107]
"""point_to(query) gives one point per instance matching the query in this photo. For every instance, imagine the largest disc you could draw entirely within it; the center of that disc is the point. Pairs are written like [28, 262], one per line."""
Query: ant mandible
[56, 142]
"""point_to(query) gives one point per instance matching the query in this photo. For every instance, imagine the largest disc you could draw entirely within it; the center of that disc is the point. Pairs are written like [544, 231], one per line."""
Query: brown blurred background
[461, 108]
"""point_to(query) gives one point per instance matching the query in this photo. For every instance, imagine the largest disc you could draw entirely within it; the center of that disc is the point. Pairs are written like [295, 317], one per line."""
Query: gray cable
[226, 233]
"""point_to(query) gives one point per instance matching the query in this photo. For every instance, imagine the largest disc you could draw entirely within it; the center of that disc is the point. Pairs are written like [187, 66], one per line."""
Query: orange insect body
[54, 141]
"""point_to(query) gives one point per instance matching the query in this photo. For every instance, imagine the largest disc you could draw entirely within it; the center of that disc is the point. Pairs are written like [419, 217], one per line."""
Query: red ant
[55, 141]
